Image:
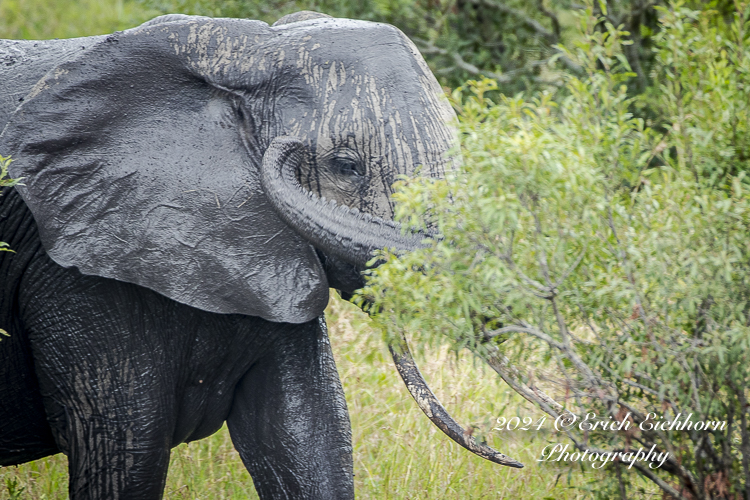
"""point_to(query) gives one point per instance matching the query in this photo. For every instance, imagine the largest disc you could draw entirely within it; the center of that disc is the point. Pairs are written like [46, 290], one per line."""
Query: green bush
[608, 264]
[701, 89]
[5, 182]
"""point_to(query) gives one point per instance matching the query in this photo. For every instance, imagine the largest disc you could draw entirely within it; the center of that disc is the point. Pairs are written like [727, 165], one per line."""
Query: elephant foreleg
[105, 381]
[289, 420]
[116, 442]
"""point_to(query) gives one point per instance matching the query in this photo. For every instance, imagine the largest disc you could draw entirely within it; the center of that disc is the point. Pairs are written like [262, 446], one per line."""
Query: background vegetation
[43, 19]
[604, 261]
[595, 248]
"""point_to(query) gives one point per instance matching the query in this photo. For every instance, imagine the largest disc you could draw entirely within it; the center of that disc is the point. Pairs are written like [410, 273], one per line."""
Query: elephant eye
[348, 167]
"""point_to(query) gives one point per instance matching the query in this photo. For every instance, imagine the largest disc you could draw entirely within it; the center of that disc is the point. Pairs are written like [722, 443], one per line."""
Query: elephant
[191, 190]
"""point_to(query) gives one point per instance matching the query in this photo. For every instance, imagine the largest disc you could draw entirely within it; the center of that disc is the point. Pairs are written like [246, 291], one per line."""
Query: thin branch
[658, 481]
[532, 24]
[542, 254]
[430, 48]
[521, 329]
[643, 388]
[622, 254]
[679, 469]
[588, 323]
[561, 324]
[572, 66]
[592, 380]
[508, 259]
[570, 269]
[552, 18]
[427, 47]
[552, 37]
[745, 435]
[512, 376]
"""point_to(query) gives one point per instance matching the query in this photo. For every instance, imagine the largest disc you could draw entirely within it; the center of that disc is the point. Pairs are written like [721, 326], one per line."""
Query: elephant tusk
[431, 407]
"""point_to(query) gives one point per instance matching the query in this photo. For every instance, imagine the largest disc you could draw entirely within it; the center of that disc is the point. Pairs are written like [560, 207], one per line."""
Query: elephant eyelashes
[347, 167]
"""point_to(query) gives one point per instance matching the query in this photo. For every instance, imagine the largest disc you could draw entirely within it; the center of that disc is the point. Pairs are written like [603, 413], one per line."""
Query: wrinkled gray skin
[173, 251]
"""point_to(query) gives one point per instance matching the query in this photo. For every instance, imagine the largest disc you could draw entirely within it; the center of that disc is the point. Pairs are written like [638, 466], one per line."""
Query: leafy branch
[598, 266]
[5, 182]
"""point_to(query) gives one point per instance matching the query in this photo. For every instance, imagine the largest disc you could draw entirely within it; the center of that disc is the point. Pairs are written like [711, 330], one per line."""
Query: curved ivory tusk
[431, 407]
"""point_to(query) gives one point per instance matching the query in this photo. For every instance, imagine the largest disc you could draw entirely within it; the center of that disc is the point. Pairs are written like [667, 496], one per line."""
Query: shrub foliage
[5, 182]
[605, 263]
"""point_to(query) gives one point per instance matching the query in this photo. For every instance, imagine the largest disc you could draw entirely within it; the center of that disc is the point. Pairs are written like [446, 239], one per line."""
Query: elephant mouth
[353, 236]
[343, 276]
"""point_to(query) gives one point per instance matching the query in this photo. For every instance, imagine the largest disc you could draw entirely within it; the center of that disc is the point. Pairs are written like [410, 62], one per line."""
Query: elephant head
[229, 165]
[144, 155]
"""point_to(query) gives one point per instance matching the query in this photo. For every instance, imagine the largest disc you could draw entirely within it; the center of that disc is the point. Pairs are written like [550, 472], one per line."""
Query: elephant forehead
[404, 129]
[382, 97]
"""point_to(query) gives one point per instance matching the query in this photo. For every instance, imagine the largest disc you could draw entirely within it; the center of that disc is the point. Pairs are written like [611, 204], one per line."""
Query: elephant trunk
[353, 236]
[334, 229]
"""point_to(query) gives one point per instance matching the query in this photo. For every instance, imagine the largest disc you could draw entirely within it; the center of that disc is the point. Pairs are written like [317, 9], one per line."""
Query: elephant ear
[136, 168]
